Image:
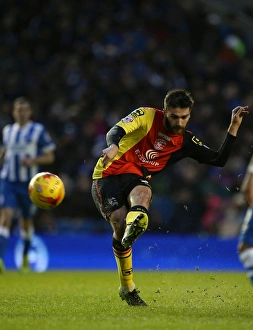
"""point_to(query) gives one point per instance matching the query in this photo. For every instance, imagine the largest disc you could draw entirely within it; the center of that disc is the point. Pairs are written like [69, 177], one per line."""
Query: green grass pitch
[58, 300]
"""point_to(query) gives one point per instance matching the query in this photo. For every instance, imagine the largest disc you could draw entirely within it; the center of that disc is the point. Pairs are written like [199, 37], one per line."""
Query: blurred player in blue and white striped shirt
[245, 246]
[26, 146]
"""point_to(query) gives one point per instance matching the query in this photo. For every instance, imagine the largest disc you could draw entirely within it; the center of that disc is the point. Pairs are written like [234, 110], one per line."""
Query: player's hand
[238, 113]
[109, 153]
[236, 119]
[27, 162]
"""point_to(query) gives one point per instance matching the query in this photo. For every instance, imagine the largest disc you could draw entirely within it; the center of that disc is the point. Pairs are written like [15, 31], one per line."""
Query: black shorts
[111, 193]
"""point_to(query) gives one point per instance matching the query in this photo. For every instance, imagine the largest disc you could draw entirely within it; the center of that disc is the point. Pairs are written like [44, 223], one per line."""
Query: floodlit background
[84, 66]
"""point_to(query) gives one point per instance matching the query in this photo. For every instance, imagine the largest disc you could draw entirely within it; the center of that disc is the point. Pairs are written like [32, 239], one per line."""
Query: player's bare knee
[140, 195]
[243, 246]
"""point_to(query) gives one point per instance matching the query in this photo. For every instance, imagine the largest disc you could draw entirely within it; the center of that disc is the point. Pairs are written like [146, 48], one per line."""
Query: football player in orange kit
[139, 146]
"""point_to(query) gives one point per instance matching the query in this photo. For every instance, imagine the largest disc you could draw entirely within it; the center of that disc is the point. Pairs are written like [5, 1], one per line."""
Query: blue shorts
[246, 234]
[15, 195]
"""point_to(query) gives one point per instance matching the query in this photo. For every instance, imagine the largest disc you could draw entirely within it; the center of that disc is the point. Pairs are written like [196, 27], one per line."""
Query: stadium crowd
[84, 66]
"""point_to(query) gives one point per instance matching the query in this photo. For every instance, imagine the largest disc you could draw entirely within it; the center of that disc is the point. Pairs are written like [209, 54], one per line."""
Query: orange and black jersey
[147, 147]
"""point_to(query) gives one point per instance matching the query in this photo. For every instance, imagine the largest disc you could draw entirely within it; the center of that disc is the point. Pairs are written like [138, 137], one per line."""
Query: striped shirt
[28, 141]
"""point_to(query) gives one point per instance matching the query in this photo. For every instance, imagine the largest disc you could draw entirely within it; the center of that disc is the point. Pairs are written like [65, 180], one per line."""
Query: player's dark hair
[178, 98]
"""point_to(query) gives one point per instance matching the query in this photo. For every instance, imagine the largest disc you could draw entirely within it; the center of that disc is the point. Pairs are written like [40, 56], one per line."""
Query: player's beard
[178, 130]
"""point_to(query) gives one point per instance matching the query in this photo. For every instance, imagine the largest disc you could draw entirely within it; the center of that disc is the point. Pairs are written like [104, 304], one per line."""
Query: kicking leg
[137, 218]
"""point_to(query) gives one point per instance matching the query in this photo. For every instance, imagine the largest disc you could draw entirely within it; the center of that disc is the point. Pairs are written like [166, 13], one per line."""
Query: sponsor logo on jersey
[130, 118]
[164, 136]
[137, 113]
[159, 144]
[149, 156]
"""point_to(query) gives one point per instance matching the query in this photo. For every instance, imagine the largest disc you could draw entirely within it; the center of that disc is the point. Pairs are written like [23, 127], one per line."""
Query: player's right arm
[3, 147]
[247, 184]
[113, 137]
[46, 158]
[126, 125]
[2, 153]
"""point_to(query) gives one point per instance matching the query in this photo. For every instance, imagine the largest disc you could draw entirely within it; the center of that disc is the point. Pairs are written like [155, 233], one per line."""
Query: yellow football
[46, 190]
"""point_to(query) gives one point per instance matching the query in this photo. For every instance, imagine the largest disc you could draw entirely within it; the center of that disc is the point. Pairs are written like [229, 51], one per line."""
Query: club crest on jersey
[159, 144]
[128, 119]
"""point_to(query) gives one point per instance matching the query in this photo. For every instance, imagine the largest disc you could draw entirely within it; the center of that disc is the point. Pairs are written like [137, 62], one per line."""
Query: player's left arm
[204, 154]
[236, 119]
[226, 148]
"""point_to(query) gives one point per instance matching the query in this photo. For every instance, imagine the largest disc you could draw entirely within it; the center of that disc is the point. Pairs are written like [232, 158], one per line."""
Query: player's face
[22, 113]
[176, 119]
